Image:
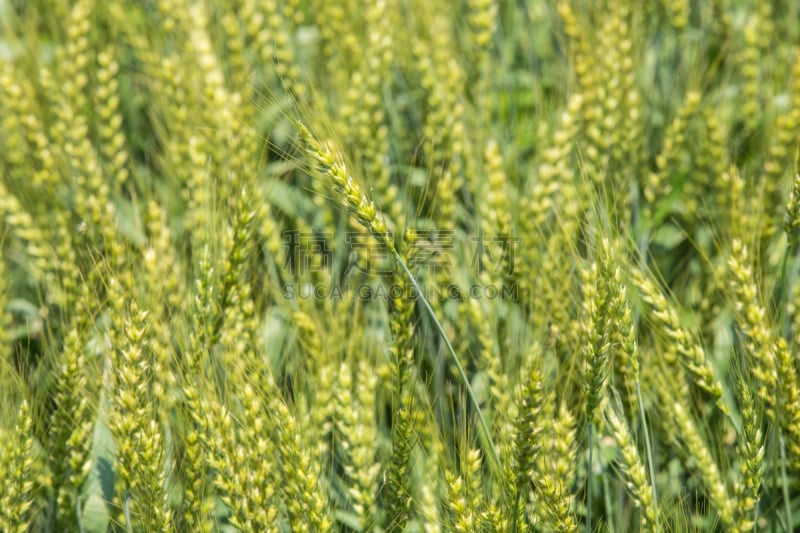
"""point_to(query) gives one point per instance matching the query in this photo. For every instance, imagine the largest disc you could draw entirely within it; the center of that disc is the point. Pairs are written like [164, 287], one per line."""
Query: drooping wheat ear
[330, 167]
[747, 487]
[633, 471]
[683, 348]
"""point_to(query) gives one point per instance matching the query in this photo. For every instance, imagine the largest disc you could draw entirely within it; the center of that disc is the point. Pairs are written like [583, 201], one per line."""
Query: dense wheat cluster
[399, 265]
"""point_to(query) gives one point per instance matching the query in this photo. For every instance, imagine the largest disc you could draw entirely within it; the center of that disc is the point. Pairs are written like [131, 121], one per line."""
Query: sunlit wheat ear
[330, 166]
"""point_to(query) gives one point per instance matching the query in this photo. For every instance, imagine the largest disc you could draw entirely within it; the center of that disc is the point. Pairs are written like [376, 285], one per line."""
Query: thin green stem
[483, 425]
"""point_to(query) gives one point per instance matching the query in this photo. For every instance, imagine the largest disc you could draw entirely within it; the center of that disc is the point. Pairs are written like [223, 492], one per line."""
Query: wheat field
[399, 265]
